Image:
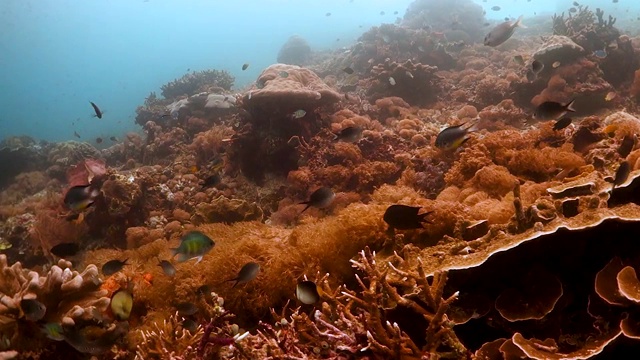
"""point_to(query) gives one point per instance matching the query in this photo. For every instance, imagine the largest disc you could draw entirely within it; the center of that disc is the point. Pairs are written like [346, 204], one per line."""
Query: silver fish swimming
[502, 32]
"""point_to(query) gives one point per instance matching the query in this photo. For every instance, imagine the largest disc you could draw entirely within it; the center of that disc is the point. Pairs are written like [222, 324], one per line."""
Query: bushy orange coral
[495, 180]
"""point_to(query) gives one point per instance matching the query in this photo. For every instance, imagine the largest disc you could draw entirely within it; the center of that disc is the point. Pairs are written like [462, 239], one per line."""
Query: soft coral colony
[523, 247]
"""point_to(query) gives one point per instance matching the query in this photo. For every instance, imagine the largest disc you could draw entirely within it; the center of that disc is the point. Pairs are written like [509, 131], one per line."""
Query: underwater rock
[438, 15]
[14, 161]
[223, 209]
[296, 51]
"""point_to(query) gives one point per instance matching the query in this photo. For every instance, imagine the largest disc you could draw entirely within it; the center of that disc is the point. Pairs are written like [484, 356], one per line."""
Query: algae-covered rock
[223, 209]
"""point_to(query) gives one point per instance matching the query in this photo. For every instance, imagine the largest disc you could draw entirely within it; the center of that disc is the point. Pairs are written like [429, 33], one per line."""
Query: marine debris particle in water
[492, 225]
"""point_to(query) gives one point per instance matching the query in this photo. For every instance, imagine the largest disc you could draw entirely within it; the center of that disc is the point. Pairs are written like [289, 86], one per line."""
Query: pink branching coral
[354, 323]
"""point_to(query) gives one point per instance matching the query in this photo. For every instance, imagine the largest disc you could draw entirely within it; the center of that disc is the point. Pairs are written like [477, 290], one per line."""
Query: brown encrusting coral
[519, 241]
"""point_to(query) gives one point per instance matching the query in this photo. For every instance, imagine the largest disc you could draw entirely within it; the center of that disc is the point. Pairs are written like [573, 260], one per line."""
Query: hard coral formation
[295, 51]
[196, 82]
[69, 297]
[415, 83]
[588, 29]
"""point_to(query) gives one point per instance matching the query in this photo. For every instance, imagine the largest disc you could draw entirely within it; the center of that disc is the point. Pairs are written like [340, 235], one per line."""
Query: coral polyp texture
[204, 235]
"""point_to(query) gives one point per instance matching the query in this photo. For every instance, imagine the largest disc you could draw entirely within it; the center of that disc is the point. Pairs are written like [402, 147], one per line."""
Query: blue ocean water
[57, 55]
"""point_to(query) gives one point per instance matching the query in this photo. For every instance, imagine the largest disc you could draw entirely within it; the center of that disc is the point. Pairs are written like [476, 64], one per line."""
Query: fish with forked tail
[404, 217]
[552, 110]
[502, 32]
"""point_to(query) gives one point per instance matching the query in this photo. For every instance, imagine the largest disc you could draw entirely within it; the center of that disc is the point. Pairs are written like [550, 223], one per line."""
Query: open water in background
[57, 55]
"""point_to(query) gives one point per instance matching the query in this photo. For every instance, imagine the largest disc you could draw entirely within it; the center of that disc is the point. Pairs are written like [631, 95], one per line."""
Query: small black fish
[575, 3]
[349, 134]
[75, 133]
[573, 10]
[552, 110]
[626, 145]
[245, 66]
[65, 250]
[452, 137]
[33, 309]
[327, 14]
[99, 140]
[621, 174]
[348, 70]
[307, 292]
[212, 180]
[381, 12]
[113, 138]
[186, 309]
[97, 110]
[404, 217]
[562, 123]
[113, 266]
[320, 198]
[80, 197]
[536, 66]
[167, 267]
[247, 273]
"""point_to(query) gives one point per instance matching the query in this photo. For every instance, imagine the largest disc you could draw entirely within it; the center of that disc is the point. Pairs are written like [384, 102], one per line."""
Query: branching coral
[198, 81]
[590, 30]
[357, 323]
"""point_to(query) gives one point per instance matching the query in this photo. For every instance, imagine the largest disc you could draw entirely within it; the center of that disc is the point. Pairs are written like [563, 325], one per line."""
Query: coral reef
[588, 29]
[525, 248]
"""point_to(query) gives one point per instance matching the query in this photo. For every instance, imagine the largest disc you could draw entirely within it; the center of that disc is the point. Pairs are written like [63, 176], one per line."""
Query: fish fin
[569, 106]
[236, 282]
[423, 216]
[199, 259]
[519, 23]
[474, 125]
[305, 209]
